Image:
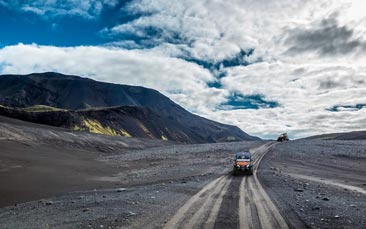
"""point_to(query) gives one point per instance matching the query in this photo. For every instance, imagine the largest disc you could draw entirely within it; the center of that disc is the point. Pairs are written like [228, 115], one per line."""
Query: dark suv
[243, 163]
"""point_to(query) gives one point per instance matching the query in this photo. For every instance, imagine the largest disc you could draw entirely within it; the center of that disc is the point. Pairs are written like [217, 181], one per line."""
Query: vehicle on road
[243, 163]
[283, 138]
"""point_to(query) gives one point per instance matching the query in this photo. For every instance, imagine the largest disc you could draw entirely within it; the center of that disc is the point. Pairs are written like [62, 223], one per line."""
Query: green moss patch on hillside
[94, 126]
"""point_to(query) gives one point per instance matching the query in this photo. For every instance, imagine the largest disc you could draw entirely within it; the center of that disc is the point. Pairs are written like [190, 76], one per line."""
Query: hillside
[84, 104]
[354, 135]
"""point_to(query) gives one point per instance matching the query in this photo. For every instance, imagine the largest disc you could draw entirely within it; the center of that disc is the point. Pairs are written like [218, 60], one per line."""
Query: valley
[61, 179]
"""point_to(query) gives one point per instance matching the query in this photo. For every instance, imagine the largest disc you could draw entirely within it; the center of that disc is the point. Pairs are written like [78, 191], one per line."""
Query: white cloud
[216, 30]
[305, 92]
[309, 57]
[185, 82]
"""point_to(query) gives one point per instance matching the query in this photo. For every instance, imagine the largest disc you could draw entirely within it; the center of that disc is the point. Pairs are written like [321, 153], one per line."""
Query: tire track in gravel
[228, 216]
[328, 181]
[231, 202]
[199, 210]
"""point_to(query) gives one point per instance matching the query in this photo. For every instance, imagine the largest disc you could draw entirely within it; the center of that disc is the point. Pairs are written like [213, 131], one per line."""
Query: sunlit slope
[87, 105]
[127, 121]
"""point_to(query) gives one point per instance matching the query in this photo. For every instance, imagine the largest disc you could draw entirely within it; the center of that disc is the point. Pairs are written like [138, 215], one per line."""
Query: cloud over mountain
[266, 66]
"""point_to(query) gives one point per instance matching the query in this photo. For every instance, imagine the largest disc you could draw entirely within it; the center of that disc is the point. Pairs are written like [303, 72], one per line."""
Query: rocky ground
[37, 161]
[148, 186]
[79, 180]
[319, 182]
[55, 178]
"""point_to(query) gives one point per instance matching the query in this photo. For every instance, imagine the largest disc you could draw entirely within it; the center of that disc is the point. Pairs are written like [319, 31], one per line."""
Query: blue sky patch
[339, 108]
[68, 30]
[238, 101]
[237, 60]
[215, 84]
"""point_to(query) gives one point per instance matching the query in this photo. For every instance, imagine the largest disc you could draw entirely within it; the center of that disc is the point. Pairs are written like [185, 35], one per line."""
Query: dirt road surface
[231, 202]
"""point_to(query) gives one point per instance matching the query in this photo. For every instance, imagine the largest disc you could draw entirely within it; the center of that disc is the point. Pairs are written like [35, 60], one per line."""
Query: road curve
[231, 202]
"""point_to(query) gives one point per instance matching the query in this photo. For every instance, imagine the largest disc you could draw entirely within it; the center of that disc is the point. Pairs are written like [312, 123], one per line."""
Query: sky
[267, 66]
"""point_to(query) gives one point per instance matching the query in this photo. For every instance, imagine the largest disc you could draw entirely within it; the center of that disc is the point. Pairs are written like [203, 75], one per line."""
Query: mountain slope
[125, 121]
[354, 135]
[116, 109]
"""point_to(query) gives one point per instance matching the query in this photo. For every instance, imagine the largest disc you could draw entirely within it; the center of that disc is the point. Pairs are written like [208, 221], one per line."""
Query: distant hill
[83, 104]
[354, 135]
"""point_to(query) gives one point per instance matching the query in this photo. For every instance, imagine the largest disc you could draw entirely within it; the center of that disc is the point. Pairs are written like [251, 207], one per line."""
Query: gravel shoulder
[318, 182]
[38, 161]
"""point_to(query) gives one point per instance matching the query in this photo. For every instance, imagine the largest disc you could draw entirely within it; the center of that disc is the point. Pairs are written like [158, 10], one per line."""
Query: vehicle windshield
[243, 155]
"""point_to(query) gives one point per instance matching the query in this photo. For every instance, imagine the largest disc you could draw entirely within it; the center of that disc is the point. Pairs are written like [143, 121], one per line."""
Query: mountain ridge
[351, 135]
[83, 98]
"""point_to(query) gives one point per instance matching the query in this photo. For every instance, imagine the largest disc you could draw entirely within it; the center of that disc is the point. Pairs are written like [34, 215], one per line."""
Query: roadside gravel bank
[316, 182]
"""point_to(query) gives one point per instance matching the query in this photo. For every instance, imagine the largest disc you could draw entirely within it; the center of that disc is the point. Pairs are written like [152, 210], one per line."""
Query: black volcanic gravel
[316, 204]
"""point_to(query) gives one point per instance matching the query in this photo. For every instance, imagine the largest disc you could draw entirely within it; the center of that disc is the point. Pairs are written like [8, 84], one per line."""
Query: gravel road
[250, 206]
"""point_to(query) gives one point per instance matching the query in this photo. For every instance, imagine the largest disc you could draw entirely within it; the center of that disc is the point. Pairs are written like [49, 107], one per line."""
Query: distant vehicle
[283, 138]
[243, 163]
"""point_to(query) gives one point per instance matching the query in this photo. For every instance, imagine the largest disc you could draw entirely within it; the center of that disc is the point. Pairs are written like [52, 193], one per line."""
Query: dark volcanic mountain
[84, 104]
